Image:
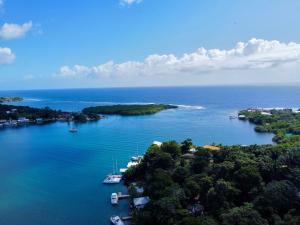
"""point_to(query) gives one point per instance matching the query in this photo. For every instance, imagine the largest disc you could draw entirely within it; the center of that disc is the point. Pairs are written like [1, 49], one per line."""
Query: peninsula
[129, 110]
[14, 116]
[222, 185]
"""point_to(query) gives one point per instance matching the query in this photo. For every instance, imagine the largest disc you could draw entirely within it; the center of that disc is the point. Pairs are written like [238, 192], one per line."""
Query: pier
[126, 218]
[122, 196]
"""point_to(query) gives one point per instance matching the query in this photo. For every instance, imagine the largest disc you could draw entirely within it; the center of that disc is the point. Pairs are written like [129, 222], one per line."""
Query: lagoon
[51, 176]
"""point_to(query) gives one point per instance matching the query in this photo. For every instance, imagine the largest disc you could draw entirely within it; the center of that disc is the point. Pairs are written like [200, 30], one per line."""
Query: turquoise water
[50, 176]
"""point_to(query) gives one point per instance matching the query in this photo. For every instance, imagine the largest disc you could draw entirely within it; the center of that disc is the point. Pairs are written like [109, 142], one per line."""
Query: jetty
[122, 196]
[126, 218]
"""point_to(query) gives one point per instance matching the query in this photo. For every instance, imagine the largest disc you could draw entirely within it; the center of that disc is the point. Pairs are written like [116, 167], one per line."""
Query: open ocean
[49, 176]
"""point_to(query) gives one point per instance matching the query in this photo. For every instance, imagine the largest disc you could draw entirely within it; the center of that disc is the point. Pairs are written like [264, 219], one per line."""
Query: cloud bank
[128, 2]
[13, 31]
[253, 54]
[6, 56]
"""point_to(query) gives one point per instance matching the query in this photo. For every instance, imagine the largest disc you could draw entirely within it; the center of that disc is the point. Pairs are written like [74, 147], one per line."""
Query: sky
[53, 44]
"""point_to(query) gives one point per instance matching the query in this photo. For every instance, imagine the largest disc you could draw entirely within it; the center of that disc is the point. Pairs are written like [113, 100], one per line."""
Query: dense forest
[285, 124]
[129, 110]
[237, 185]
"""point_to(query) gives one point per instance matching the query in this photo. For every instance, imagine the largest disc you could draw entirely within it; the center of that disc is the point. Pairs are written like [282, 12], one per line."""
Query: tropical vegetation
[236, 185]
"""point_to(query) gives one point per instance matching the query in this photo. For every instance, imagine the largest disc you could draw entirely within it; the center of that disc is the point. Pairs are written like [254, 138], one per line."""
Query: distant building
[266, 113]
[193, 150]
[211, 147]
[158, 143]
[39, 120]
[23, 120]
[242, 117]
[140, 203]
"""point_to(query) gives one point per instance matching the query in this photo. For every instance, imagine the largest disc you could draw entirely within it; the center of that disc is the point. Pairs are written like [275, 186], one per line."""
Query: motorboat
[116, 220]
[114, 199]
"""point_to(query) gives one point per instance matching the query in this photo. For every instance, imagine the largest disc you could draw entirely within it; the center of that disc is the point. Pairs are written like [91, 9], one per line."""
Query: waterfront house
[39, 120]
[241, 117]
[140, 203]
[158, 143]
[23, 120]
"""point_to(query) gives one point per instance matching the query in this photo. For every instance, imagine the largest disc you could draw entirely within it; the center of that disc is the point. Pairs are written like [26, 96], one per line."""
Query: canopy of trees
[238, 185]
[129, 110]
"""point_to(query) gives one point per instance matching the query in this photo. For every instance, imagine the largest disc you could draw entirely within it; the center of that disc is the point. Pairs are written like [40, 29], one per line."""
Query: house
[266, 114]
[23, 120]
[242, 117]
[193, 150]
[158, 143]
[39, 120]
[140, 203]
[211, 148]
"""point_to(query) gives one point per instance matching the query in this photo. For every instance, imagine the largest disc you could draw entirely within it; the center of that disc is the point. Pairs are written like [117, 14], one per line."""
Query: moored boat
[112, 179]
[116, 220]
[73, 130]
[114, 199]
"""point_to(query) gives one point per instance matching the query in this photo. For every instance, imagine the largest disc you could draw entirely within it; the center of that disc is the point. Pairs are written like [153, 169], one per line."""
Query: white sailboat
[113, 178]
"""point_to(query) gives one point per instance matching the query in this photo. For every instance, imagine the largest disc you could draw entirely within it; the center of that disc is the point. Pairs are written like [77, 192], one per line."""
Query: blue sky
[103, 43]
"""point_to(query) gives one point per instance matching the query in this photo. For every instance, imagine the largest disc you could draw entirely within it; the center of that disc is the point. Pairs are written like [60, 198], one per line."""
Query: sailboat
[113, 178]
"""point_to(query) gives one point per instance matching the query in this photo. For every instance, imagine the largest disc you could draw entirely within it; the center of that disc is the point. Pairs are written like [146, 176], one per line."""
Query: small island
[129, 110]
[184, 184]
[10, 99]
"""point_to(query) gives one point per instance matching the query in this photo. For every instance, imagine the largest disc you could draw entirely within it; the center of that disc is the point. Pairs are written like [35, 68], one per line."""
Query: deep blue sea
[49, 176]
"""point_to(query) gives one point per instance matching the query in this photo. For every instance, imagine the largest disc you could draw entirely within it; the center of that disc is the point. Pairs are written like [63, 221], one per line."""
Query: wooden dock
[120, 195]
[126, 218]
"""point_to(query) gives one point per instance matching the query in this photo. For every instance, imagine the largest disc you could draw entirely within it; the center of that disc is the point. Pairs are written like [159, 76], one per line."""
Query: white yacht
[114, 199]
[116, 220]
[113, 179]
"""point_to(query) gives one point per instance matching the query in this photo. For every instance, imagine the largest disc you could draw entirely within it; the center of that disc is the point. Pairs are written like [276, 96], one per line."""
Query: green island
[10, 99]
[128, 110]
[222, 185]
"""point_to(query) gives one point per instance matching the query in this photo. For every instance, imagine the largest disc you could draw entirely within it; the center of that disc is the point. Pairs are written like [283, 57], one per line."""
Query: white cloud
[128, 2]
[12, 31]
[6, 56]
[254, 54]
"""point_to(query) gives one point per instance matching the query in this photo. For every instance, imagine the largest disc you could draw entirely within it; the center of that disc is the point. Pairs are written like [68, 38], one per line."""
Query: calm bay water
[52, 177]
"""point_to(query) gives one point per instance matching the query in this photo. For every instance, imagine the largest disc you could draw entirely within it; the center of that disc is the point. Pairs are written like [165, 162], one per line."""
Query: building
[211, 147]
[158, 143]
[140, 203]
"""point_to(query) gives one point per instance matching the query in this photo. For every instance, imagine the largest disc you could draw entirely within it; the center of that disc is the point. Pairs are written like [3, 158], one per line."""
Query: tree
[244, 215]
[186, 145]
[180, 174]
[172, 148]
[279, 195]
[247, 178]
